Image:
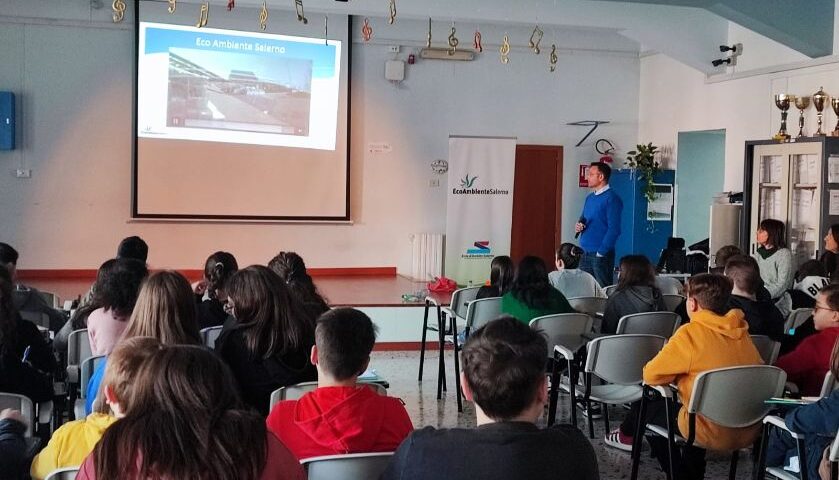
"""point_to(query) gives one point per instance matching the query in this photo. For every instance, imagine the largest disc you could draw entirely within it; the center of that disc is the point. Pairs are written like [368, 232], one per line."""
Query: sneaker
[596, 411]
[618, 440]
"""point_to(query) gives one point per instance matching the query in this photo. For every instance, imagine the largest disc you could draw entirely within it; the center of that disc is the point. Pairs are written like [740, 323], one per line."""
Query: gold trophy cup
[801, 103]
[819, 100]
[834, 102]
[782, 101]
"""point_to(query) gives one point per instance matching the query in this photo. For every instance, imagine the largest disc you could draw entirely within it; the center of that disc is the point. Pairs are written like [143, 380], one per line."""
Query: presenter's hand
[579, 227]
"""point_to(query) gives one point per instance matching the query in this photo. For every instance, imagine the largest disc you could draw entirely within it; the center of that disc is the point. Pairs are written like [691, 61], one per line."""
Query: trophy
[819, 99]
[801, 103]
[782, 101]
[834, 102]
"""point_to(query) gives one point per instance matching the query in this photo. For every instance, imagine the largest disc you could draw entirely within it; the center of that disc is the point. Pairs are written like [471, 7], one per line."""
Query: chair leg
[834, 471]
[457, 371]
[732, 470]
[802, 458]
[759, 470]
[572, 391]
[605, 408]
[424, 335]
[640, 427]
[441, 366]
[671, 439]
[553, 395]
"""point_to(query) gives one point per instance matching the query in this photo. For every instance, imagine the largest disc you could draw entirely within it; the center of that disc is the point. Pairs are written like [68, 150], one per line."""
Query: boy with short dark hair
[763, 316]
[503, 373]
[341, 416]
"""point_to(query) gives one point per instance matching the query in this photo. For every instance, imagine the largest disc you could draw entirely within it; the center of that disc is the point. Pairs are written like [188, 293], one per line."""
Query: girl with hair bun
[210, 293]
[568, 278]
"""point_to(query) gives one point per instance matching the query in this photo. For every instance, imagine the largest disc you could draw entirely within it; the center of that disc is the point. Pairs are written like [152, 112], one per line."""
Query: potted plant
[643, 161]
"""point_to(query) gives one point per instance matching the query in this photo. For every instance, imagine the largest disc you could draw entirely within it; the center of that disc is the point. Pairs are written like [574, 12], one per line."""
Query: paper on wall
[833, 205]
[833, 169]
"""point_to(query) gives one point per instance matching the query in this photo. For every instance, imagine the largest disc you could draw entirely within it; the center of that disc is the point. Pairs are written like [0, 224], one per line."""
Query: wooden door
[537, 202]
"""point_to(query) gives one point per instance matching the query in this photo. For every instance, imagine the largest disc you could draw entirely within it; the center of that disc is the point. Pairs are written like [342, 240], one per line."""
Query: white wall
[73, 77]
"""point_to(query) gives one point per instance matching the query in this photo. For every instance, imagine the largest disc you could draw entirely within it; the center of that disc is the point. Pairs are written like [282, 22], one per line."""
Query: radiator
[426, 256]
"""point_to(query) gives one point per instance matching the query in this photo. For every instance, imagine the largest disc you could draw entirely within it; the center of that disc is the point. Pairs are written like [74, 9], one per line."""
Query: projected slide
[236, 87]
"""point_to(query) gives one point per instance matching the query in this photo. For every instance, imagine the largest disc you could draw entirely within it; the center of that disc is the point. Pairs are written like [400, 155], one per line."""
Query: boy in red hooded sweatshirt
[341, 416]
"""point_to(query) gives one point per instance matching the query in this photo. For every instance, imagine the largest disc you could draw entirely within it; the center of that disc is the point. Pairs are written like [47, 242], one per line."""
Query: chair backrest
[796, 318]
[564, 329]
[663, 324]
[608, 291]
[63, 474]
[588, 305]
[768, 348]
[481, 312]
[89, 365]
[672, 301]
[294, 392]
[24, 405]
[734, 396]
[355, 466]
[78, 347]
[38, 318]
[828, 385]
[621, 358]
[833, 456]
[51, 299]
[209, 335]
[461, 299]
[669, 285]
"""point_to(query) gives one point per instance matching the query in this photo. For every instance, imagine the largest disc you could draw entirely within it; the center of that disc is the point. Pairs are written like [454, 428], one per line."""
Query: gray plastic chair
[63, 474]
[829, 385]
[672, 301]
[733, 397]
[833, 458]
[355, 466]
[564, 329]
[663, 324]
[78, 349]
[209, 335]
[89, 365]
[796, 318]
[608, 291]
[588, 305]
[619, 361]
[669, 285]
[294, 392]
[768, 348]
[24, 405]
[478, 313]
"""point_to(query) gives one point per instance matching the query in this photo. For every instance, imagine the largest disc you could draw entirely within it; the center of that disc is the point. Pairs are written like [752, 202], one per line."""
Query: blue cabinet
[639, 235]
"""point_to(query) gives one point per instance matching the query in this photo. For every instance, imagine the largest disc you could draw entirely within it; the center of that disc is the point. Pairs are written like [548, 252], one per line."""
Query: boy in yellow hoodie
[73, 442]
[716, 337]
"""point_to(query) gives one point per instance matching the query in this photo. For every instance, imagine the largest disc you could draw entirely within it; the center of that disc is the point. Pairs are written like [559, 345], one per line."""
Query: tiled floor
[400, 369]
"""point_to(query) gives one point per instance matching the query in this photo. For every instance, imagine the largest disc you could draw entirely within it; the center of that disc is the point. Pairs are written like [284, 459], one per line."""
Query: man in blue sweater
[600, 225]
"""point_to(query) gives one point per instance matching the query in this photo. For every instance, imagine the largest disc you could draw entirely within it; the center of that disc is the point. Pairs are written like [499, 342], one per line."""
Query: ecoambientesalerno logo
[467, 187]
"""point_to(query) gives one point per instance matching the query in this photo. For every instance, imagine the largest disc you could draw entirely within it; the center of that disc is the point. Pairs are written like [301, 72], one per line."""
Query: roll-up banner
[479, 207]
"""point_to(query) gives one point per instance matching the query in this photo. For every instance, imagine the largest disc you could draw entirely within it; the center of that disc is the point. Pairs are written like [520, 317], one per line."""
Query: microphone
[583, 221]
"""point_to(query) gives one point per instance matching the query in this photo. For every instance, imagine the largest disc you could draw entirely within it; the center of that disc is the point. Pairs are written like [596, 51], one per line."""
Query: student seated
[130, 247]
[341, 416]
[185, 419]
[501, 275]
[818, 422]
[636, 292]
[763, 317]
[716, 337]
[809, 279]
[13, 449]
[568, 278]
[809, 362]
[504, 374]
[291, 269]
[210, 294]
[117, 286]
[28, 299]
[532, 295]
[73, 441]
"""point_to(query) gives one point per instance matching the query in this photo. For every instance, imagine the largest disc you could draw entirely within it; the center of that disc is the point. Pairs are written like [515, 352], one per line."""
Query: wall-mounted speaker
[7, 121]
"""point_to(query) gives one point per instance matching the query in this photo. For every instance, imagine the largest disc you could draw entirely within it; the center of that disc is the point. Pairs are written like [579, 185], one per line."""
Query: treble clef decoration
[301, 15]
[203, 15]
[553, 57]
[367, 30]
[428, 39]
[477, 44]
[173, 4]
[230, 5]
[392, 12]
[453, 41]
[263, 16]
[505, 50]
[535, 38]
[119, 10]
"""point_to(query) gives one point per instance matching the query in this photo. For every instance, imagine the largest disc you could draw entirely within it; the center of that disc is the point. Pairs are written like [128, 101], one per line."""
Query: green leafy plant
[642, 159]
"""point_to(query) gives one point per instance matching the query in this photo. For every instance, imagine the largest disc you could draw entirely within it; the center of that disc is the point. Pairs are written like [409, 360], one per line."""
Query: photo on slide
[238, 91]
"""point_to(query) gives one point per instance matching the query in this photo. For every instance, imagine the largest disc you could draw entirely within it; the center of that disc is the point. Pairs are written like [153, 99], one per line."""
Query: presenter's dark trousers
[601, 268]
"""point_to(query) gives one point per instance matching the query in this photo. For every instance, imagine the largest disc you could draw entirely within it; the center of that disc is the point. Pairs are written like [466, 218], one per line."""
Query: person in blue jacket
[818, 422]
[599, 225]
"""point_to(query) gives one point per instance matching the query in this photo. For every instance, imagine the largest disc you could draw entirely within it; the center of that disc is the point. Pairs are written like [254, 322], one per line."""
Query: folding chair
[294, 392]
[588, 305]
[354, 466]
[672, 301]
[616, 359]
[566, 330]
[63, 474]
[663, 324]
[669, 285]
[478, 313]
[209, 335]
[51, 299]
[796, 318]
[829, 384]
[768, 348]
[87, 368]
[833, 458]
[24, 405]
[732, 397]
[608, 291]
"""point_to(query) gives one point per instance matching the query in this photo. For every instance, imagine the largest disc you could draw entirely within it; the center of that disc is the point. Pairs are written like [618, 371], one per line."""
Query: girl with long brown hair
[185, 420]
[267, 347]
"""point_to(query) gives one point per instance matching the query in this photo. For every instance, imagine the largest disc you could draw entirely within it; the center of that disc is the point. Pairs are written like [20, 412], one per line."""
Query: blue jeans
[601, 268]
